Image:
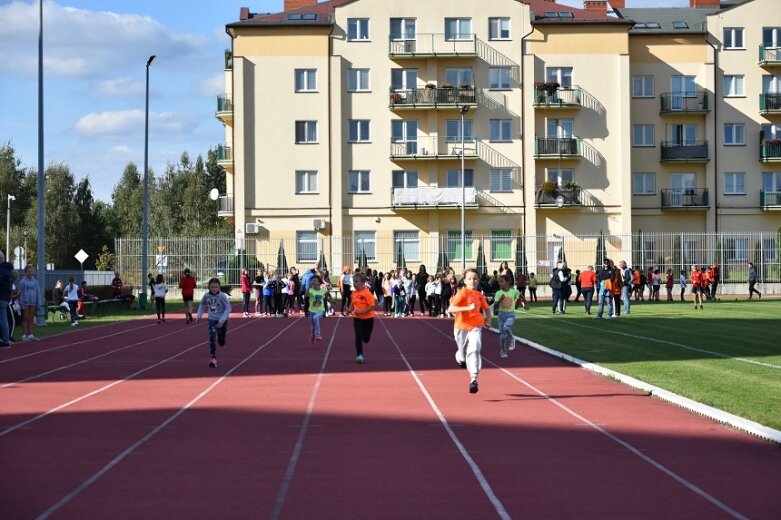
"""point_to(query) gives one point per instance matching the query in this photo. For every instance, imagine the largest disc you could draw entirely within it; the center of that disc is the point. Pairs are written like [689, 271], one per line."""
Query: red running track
[127, 421]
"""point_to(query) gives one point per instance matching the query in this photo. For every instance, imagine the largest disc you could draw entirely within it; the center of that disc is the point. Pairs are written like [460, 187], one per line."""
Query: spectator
[752, 281]
[587, 279]
[6, 288]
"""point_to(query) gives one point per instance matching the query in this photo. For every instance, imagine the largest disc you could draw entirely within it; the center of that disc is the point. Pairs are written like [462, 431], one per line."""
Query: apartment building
[368, 127]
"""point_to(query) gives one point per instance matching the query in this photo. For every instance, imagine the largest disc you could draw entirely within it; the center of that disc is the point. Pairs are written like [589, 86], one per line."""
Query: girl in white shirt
[72, 297]
[160, 289]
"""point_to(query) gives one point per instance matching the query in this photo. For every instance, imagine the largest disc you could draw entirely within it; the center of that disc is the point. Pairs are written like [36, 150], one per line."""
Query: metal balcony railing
[561, 97]
[436, 97]
[770, 198]
[769, 149]
[224, 104]
[228, 59]
[557, 147]
[685, 198]
[570, 196]
[684, 103]
[226, 205]
[693, 151]
[424, 45]
[769, 56]
[432, 147]
[430, 196]
[770, 102]
[224, 154]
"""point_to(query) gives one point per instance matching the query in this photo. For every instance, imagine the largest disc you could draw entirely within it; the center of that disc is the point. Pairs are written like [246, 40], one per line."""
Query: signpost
[19, 258]
[81, 256]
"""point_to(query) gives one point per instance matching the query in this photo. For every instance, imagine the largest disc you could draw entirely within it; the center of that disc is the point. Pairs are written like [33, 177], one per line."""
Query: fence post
[761, 256]
[683, 248]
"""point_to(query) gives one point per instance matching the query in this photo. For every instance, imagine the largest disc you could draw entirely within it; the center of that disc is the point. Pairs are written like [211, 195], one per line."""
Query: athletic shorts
[186, 299]
[696, 289]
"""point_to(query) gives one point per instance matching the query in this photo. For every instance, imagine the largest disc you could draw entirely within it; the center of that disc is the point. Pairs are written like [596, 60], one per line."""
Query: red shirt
[116, 284]
[187, 285]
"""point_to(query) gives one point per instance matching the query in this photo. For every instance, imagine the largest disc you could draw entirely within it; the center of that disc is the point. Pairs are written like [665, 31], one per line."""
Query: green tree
[106, 259]
[128, 200]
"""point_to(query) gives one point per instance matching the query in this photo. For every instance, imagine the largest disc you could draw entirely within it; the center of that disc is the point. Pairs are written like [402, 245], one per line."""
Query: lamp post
[145, 225]
[464, 110]
[8, 229]
[24, 264]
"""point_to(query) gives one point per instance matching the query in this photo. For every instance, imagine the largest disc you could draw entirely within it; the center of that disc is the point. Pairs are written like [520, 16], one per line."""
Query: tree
[128, 200]
[106, 260]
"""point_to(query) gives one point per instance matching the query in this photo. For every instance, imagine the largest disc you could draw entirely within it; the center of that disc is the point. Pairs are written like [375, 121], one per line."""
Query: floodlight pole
[464, 110]
[145, 225]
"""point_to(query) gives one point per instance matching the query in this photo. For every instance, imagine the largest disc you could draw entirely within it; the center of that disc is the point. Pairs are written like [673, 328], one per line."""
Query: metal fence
[218, 257]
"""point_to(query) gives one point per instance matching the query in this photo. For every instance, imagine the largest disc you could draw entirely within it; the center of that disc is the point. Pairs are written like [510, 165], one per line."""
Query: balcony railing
[563, 197]
[769, 150]
[686, 198]
[224, 108]
[561, 97]
[430, 45]
[226, 205]
[693, 151]
[228, 59]
[224, 155]
[684, 103]
[433, 197]
[770, 103]
[557, 148]
[437, 97]
[769, 199]
[429, 147]
[769, 57]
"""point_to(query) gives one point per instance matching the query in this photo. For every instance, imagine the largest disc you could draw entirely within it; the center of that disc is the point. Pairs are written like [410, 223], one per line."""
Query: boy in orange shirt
[472, 314]
[361, 307]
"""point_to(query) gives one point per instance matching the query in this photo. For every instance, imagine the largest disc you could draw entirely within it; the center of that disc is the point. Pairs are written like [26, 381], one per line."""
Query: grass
[727, 355]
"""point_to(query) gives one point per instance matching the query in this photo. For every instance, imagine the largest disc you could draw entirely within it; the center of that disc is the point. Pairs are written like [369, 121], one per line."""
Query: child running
[317, 296]
[506, 300]
[160, 289]
[218, 308]
[187, 285]
[472, 313]
[361, 307]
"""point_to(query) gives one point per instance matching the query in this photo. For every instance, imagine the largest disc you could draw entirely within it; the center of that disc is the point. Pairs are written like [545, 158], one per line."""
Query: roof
[667, 20]
[545, 12]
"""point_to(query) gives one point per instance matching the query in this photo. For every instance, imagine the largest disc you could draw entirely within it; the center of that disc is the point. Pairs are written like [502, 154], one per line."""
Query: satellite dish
[214, 194]
[559, 201]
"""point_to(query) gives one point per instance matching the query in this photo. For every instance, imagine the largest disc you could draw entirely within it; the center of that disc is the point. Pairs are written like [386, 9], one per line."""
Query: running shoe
[318, 338]
[213, 362]
[503, 354]
[511, 345]
[462, 364]
[359, 359]
[473, 386]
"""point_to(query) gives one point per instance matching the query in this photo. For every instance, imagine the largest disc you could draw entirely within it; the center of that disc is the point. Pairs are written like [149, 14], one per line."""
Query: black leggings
[422, 299]
[363, 333]
[160, 307]
[347, 292]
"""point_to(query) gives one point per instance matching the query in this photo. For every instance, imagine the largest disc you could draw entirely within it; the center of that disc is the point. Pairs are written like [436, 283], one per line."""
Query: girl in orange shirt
[472, 314]
[697, 286]
[361, 307]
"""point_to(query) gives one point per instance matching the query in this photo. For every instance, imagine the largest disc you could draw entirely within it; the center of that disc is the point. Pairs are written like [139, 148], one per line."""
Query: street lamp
[145, 226]
[8, 229]
[464, 110]
[24, 264]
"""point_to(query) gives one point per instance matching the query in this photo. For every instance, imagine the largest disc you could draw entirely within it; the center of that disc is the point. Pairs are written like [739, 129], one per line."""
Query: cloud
[130, 123]
[213, 86]
[121, 148]
[119, 88]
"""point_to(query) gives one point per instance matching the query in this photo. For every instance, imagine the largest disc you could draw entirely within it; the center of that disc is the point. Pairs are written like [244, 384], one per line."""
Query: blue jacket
[306, 280]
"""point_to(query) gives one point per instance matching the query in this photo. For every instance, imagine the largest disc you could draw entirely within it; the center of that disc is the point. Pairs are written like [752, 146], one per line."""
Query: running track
[127, 421]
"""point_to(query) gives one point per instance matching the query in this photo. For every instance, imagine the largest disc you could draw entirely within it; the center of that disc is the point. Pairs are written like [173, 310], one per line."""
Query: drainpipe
[330, 138]
[716, 132]
[523, 140]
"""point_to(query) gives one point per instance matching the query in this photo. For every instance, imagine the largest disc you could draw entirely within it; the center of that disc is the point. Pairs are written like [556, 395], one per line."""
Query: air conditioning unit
[318, 223]
[252, 228]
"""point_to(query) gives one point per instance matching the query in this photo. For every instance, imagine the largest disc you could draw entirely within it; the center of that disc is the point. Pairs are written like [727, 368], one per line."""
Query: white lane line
[119, 458]
[296, 455]
[486, 487]
[670, 473]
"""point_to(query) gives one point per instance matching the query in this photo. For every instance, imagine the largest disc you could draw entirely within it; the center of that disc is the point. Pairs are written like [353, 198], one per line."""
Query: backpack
[555, 281]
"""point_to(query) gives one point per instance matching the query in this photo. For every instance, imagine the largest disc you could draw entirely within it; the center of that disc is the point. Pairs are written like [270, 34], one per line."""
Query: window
[402, 28]
[771, 84]
[306, 246]
[501, 179]
[358, 131]
[734, 86]
[501, 245]
[769, 249]
[498, 28]
[357, 29]
[734, 183]
[644, 183]
[454, 178]
[682, 135]
[683, 181]
[404, 79]
[405, 179]
[306, 80]
[358, 80]
[306, 131]
[453, 130]
[499, 77]
[771, 132]
[454, 250]
[771, 37]
[680, 25]
[458, 29]
[306, 181]
[771, 181]
[459, 76]
[682, 86]
[733, 38]
[560, 175]
[734, 134]
[560, 75]
[561, 128]
[358, 181]
[405, 133]
[501, 129]
[365, 241]
[736, 250]
[643, 135]
[642, 86]
[408, 242]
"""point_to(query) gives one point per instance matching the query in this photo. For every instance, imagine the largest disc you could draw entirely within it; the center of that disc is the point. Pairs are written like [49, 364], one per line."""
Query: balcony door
[560, 75]
[562, 128]
[682, 135]
[404, 79]
[405, 132]
[681, 183]
[681, 87]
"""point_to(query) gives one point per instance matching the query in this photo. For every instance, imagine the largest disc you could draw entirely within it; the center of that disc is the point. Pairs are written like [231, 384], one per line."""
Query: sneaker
[503, 354]
[30, 337]
[473, 386]
[159, 322]
[312, 339]
[213, 362]
[74, 323]
[359, 359]
[5, 345]
[318, 338]
[511, 346]
[24, 337]
[462, 364]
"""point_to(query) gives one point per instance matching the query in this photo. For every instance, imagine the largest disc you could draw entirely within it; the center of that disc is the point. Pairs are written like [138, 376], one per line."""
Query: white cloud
[123, 123]
[213, 86]
[119, 88]
[121, 148]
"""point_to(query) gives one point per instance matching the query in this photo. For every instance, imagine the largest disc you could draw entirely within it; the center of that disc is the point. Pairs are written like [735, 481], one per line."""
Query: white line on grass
[489, 492]
[119, 458]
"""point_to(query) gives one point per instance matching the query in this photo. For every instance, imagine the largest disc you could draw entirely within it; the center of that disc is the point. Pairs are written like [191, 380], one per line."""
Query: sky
[95, 55]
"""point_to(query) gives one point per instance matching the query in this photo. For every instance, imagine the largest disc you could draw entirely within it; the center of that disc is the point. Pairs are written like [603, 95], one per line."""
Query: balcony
[770, 200]
[769, 150]
[690, 152]
[434, 46]
[226, 206]
[769, 57]
[225, 156]
[546, 196]
[228, 59]
[557, 98]
[225, 109]
[770, 103]
[436, 98]
[684, 103]
[557, 148]
[433, 148]
[685, 199]
[433, 197]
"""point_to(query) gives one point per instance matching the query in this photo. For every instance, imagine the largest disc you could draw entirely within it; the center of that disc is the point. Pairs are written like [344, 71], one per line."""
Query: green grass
[727, 355]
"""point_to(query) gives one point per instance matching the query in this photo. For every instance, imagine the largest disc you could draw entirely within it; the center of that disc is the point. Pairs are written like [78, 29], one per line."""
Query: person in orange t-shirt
[361, 307]
[696, 278]
[472, 314]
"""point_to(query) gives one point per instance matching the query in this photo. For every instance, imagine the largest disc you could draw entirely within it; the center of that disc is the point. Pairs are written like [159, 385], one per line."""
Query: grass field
[727, 355]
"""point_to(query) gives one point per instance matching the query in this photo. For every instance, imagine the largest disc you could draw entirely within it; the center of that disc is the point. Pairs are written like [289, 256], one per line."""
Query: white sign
[81, 256]
[161, 261]
[19, 258]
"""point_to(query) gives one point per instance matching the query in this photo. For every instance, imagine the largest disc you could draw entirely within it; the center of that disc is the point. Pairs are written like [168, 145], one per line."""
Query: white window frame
[501, 180]
[734, 183]
[454, 245]
[358, 131]
[404, 178]
[731, 37]
[305, 80]
[308, 132]
[643, 136]
[499, 28]
[734, 85]
[771, 83]
[453, 130]
[644, 183]
[306, 246]
[500, 78]
[368, 241]
[458, 76]
[560, 176]
[453, 178]
[306, 182]
[407, 29]
[560, 75]
[358, 80]
[358, 30]
[774, 40]
[505, 237]
[643, 86]
[359, 181]
[771, 181]
[501, 130]
[734, 134]
[404, 79]
[410, 244]
[459, 33]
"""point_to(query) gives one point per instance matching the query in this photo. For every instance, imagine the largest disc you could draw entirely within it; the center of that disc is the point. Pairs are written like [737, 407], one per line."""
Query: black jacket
[6, 281]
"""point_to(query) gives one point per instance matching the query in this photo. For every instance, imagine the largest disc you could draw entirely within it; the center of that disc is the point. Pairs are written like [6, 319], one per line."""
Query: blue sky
[95, 54]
